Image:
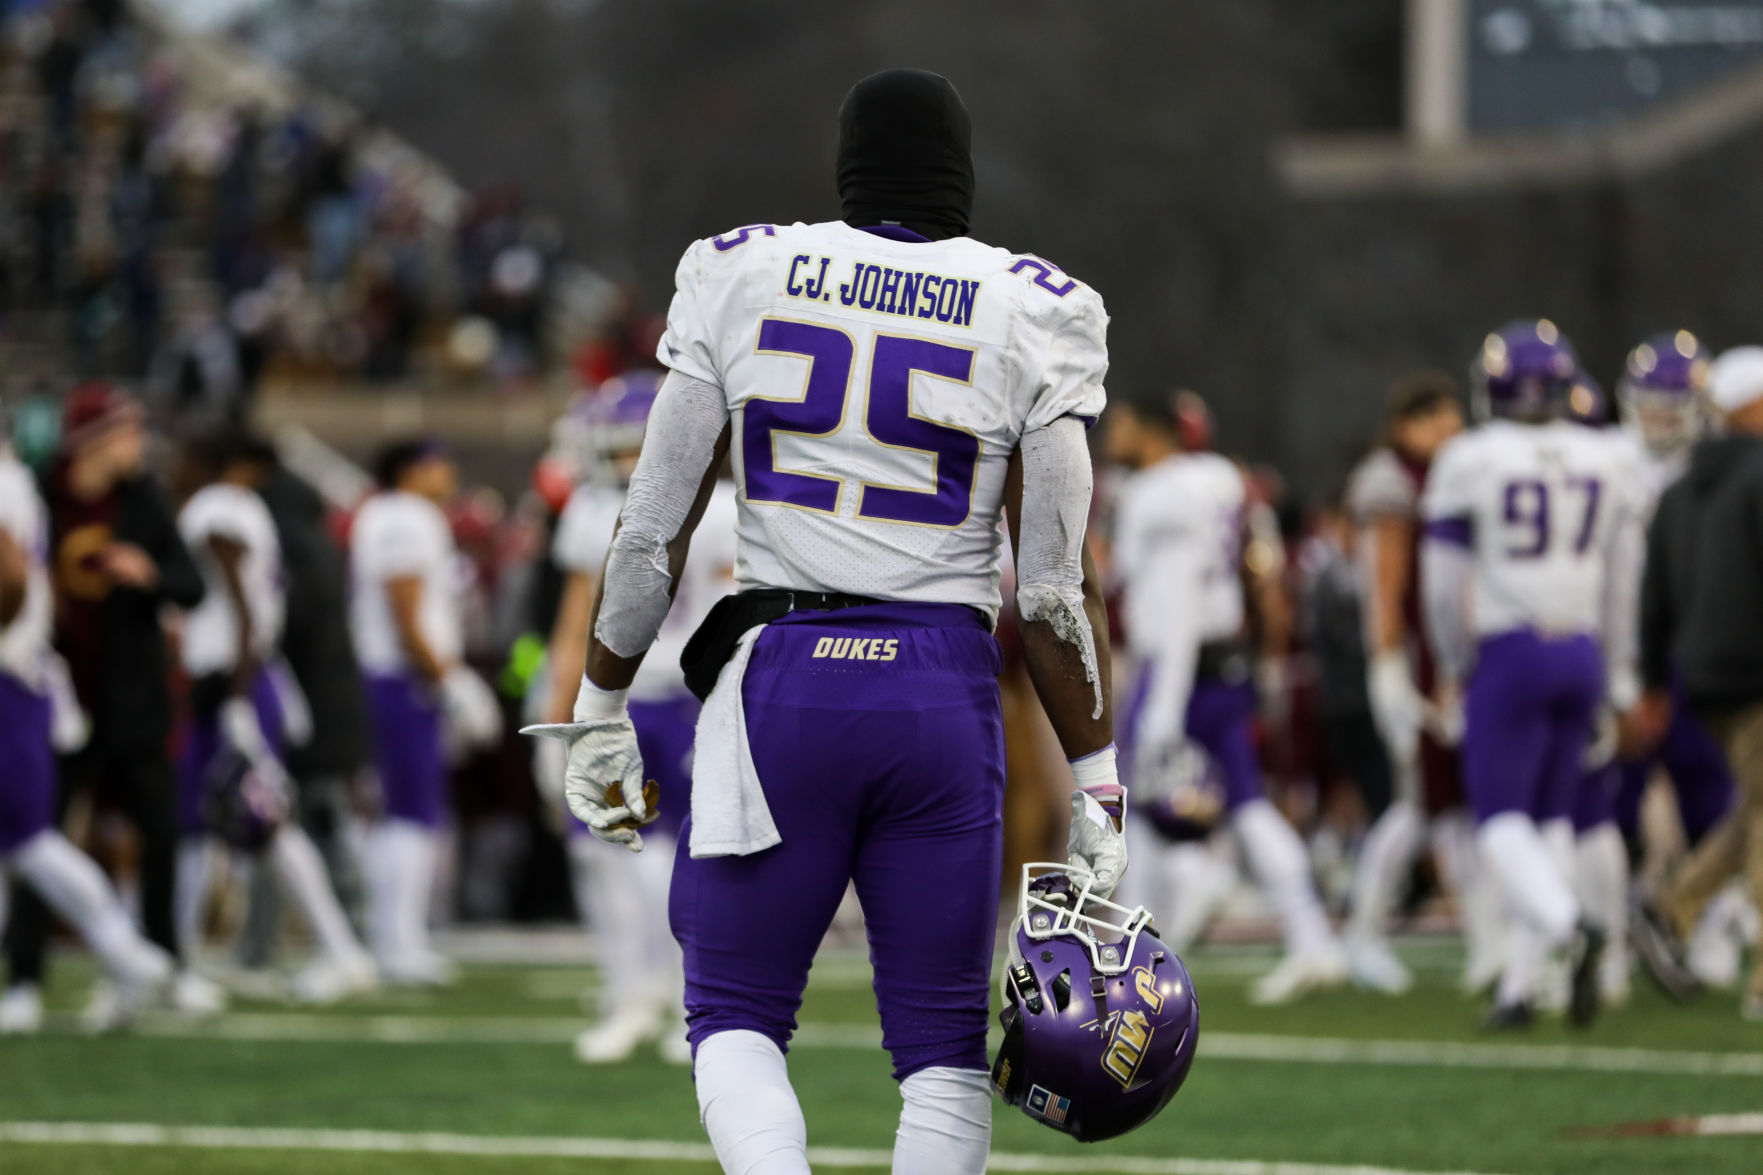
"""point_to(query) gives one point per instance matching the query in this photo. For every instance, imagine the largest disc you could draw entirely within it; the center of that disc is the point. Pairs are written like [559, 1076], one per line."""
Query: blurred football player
[888, 386]
[31, 848]
[1662, 395]
[241, 710]
[1529, 527]
[1180, 554]
[1383, 498]
[623, 895]
[406, 618]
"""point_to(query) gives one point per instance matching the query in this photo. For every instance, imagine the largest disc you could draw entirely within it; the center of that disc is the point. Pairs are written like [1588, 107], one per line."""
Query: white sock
[301, 872]
[194, 867]
[609, 888]
[747, 1106]
[945, 1123]
[1529, 876]
[399, 874]
[1385, 860]
[1525, 951]
[71, 885]
[1480, 904]
[1282, 868]
[1601, 877]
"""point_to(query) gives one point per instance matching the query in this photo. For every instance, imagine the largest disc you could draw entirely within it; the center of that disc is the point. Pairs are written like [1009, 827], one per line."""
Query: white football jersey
[1655, 471]
[397, 535]
[877, 388]
[1192, 503]
[584, 533]
[211, 631]
[25, 641]
[1541, 507]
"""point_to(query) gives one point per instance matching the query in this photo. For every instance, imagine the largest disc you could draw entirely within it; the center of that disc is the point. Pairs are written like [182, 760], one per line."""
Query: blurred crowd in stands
[200, 235]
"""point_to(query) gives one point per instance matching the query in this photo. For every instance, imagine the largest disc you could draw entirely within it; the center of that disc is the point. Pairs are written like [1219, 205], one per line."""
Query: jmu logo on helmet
[1132, 1036]
[1146, 984]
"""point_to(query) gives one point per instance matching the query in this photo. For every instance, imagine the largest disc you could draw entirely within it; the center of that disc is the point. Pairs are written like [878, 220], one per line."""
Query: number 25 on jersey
[888, 420]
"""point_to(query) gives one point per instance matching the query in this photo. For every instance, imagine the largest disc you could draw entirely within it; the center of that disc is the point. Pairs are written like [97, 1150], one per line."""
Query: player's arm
[1064, 629]
[687, 438]
[569, 642]
[14, 578]
[228, 554]
[1388, 543]
[404, 593]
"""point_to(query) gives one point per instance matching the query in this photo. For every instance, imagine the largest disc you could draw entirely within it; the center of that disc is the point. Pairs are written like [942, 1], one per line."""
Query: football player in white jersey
[1180, 556]
[1662, 397]
[239, 707]
[1529, 526]
[1383, 498]
[30, 845]
[622, 895]
[886, 385]
[406, 619]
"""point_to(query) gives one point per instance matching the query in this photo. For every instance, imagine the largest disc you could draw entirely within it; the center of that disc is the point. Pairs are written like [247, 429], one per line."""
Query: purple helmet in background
[1100, 1021]
[1179, 791]
[245, 802]
[603, 425]
[1526, 371]
[1661, 391]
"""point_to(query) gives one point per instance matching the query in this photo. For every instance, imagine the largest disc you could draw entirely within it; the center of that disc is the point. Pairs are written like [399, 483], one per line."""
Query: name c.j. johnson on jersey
[905, 293]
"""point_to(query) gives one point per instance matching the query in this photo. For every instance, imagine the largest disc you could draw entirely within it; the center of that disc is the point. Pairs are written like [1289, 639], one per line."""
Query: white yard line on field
[1229, 1046]
[476, 1145]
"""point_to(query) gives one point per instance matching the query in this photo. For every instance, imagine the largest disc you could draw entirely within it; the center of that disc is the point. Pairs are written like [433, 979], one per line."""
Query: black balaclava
[905, 154]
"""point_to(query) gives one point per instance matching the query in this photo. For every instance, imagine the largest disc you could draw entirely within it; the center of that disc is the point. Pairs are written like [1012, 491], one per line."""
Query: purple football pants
[1701, 779]
[1529, 715]
[889, 774]
[203, 744]
[665, 734]
[1220, 718]
[407, 748]
[27, 764]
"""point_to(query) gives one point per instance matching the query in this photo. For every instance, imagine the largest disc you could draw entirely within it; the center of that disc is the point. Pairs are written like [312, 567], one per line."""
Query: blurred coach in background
[1702, 608]
[116, 561]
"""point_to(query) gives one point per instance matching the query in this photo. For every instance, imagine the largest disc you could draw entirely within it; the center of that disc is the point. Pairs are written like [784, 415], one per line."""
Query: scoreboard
[1552, 63]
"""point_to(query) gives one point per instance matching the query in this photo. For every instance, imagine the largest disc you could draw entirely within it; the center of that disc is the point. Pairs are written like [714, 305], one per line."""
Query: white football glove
[1098, 814]
[474, 717]
[1398, 708]
[1601, 748]
[603, 782]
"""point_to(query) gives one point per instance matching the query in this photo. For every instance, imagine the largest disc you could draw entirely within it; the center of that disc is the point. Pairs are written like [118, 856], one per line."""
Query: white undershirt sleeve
[1056, 488]
[678, 449]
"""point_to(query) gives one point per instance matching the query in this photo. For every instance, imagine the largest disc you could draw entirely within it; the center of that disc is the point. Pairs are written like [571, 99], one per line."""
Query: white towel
[729, 814]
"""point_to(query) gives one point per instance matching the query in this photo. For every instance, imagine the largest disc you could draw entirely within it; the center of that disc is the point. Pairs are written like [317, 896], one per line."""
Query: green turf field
[480, 1078]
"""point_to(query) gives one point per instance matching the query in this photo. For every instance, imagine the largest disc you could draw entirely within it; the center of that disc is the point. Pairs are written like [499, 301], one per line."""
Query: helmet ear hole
[1061, 990]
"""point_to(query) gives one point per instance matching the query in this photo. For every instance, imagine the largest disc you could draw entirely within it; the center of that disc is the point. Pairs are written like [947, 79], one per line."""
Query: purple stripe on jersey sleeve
[1458, 531]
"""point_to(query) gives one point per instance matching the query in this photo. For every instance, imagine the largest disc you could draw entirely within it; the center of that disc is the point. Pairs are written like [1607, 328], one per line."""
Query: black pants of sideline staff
[143, 787]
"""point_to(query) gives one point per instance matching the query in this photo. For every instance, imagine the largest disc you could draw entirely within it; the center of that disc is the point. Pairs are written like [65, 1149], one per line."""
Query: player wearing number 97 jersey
[1530, 535]
[887, 386]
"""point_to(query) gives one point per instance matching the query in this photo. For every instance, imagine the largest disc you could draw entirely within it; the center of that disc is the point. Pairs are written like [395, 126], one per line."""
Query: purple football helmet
[1100, 1021]
[1179, 790]
[1526, 371]
[605, 424]
[246, 802]
[1661, 391]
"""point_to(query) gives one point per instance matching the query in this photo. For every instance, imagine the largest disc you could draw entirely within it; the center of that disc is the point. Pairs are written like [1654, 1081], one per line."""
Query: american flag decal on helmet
[1043, 1103]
